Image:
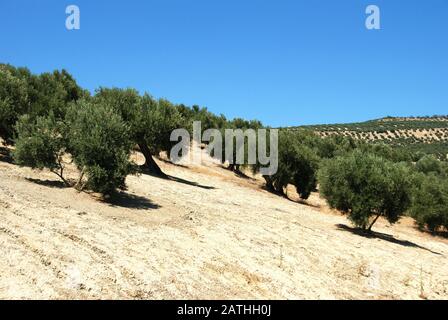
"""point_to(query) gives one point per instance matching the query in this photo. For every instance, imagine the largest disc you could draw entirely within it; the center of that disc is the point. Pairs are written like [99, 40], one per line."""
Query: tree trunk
[373, 222]
[60, 174]
[269, 183]
[78, 185]
[150, 163]
[234, 168]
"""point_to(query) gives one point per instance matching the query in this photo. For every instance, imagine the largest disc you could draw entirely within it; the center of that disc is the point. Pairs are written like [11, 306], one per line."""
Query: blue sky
[282, 62]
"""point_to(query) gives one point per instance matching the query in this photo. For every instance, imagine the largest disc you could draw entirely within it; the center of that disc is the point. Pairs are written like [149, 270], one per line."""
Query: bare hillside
[202, 234]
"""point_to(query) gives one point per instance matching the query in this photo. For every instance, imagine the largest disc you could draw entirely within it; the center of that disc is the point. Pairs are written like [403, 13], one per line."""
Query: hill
[204, 233]
[424, 134]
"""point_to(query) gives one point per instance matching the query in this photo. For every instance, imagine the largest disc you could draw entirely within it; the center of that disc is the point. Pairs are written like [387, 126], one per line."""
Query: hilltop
[425, 134]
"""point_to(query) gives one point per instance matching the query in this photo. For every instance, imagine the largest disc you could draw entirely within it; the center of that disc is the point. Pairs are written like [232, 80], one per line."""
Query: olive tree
[430, 202]
[40, 144]
[22, 92]
[297, 165]
[235, 125]
[429, 164]
[150, 121]
[160, 118]
[366, 187]
[94, 135]
[100, 144]
[53, 92]
[14, 102]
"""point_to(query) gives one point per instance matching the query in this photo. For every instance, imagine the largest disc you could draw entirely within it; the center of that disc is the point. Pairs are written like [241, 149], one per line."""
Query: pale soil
[224, 237]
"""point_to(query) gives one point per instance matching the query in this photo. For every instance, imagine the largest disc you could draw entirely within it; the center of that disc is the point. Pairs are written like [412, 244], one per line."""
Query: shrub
[150, 121]
[95, 136]
[100, 144]
[297, 165]
[243, 125]
[430, 202]
[13, 102]
[53, 92]
[36, 95]
[365, 187]
[40, 144]
[385, 151]
[161, 117]
[429, 164]
[334, 146]
[305, 167]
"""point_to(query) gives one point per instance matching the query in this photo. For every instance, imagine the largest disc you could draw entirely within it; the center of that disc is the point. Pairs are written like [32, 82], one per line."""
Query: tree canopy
[366, 186]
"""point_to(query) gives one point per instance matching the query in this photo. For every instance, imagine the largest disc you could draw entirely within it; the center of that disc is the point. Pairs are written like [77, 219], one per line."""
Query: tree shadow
[273, 191]
[242, 175]
[301, 201]
[131, 201]
[286, 196]
[382, 236]
[238, 173]
[5, 155]
[190, 183]
[118, 199]
[306, 203]
[177, 179]
[48, 183]
[173, 163]
[439, 233]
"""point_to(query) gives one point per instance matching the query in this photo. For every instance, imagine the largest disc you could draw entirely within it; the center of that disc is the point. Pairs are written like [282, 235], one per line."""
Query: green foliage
[333, 146]
[127, 104]
[99, 141]
[150, 121]
[430, 202]
[208, 119]
[300, 152]
[430, 164]
[385, 124]
[53, 92]
[399, 131]
[36, 95]
[305, 167]
[366, 186]
[49, 115]
[161, 118]
[14, 102]
[39, 143]
[297, 164]
[244, 126]
[385, 151]
[95, 136]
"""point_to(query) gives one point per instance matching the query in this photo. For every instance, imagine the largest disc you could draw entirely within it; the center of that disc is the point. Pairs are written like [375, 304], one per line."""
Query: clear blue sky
[283, 62]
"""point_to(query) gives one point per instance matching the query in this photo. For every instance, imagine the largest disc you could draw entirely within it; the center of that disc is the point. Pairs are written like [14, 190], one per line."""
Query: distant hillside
[425, 134]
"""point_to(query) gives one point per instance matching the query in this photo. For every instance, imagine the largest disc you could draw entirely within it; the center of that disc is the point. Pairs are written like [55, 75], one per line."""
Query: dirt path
[205, 235]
